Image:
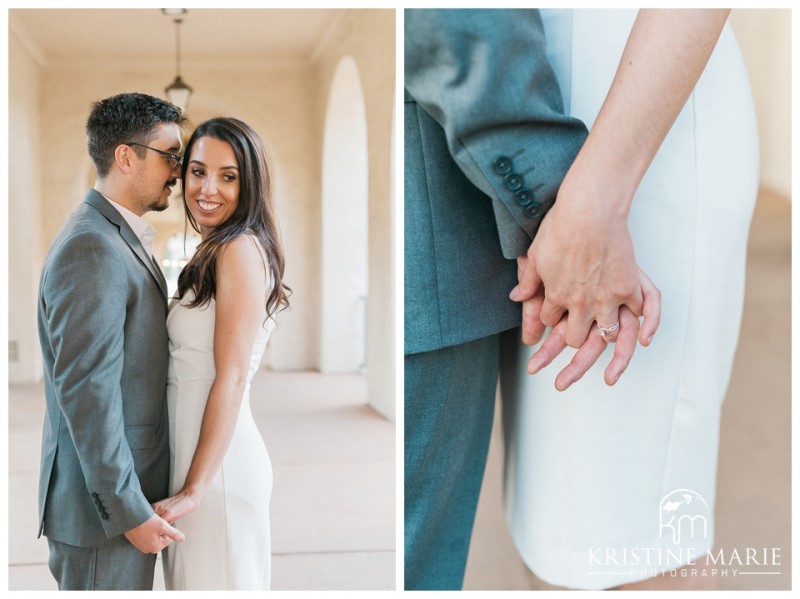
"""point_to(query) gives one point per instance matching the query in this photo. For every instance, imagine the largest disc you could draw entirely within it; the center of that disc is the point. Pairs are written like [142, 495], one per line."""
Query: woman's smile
[208, 206]
[212, 183]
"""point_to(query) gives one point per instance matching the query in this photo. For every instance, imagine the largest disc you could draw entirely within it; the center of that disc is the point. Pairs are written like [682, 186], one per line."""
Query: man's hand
[593, 346]
[153, 535]
[532, 326]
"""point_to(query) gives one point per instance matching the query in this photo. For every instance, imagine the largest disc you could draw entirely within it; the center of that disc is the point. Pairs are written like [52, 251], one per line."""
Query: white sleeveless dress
[227, 544]
[608, 485]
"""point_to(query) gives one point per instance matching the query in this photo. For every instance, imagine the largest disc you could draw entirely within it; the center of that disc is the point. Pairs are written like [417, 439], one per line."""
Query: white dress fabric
[227, 544]
[609, 485]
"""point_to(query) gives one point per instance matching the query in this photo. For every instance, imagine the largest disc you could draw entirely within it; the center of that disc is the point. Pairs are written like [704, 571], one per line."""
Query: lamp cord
[178, 45]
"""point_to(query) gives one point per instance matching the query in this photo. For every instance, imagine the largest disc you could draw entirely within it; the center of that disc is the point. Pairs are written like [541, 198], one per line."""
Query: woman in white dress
[228, 294]
[615, 485]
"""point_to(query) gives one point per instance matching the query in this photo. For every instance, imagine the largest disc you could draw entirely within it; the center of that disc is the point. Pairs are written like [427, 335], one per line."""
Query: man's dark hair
[126, 118]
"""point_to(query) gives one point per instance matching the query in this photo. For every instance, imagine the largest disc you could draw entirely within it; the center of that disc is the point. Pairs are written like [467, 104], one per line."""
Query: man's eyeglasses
[176, 160]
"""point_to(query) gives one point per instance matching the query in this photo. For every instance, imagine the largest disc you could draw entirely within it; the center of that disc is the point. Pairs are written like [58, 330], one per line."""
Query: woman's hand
[582, 264]
[176, 507]
[593, 344]
[582, 252]
[583, 257]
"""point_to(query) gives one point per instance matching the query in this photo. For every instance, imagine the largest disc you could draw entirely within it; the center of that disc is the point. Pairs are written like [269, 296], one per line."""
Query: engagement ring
[603, 331]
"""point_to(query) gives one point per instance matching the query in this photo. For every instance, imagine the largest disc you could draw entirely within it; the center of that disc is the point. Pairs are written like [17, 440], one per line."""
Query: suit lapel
[96, 200]
[160, 275]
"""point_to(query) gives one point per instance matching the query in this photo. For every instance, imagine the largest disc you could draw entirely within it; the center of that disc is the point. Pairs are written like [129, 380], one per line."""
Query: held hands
[176, 507]
[582, 254]
[153, 535]
[589, 352]
[587, 267]
[585, 260]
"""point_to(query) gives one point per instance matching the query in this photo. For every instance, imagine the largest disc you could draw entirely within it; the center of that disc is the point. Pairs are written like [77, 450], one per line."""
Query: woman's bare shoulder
[242, 255]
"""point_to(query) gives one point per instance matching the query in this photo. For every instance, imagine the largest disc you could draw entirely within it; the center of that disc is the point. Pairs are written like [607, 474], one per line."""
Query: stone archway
[344, 260]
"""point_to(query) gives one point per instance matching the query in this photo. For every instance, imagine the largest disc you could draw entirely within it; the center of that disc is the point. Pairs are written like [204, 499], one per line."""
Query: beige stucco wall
[285, 102]
[24, 197]
[344, 218]
[765, 38]
[373, 49]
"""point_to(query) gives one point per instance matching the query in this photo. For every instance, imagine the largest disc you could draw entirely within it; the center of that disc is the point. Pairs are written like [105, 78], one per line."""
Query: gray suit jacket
[486, 147]
[102, 328]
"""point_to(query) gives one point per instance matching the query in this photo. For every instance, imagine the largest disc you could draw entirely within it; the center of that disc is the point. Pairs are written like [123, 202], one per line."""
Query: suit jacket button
[523, 197]
[514, 182]
[502, 166]
[534, 210]
[105, 516]
[94, 495]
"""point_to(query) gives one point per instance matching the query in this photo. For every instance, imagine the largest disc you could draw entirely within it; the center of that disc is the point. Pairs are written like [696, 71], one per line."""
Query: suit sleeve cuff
[120, 513]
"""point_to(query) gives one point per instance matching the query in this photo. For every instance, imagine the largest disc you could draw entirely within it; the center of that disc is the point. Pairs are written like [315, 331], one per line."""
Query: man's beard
[158, 206]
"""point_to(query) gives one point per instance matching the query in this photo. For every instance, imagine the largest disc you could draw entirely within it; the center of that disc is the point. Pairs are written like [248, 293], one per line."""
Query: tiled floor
[754, 479]
[333, 503]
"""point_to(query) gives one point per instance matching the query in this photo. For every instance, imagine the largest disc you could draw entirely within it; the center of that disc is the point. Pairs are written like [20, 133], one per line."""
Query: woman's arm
[240, 301]
[583, 252]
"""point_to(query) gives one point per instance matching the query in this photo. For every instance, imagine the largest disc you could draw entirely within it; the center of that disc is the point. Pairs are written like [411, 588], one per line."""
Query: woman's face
[212, 183]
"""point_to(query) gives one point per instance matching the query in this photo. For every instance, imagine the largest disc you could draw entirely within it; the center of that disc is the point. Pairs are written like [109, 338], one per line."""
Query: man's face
[155, 174]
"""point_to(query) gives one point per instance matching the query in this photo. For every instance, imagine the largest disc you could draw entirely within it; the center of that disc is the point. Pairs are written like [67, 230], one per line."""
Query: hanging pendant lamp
[178, 92]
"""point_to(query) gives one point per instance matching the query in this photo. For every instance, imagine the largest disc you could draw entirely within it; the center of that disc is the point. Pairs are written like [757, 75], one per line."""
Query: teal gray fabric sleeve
[483, 75]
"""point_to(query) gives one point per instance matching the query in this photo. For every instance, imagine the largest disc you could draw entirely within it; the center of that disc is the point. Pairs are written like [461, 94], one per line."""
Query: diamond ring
[603, 331]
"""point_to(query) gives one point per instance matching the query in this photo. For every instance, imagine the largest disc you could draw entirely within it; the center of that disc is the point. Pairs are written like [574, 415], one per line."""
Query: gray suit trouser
[120, 567]
[449, 407]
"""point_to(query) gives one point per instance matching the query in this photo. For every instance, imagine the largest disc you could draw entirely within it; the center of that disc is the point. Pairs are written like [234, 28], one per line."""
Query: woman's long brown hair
[254, 215]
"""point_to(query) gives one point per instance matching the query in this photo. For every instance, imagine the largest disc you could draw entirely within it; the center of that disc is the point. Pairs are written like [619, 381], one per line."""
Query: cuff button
[524, 197]
[502, 166]
[534, 210]
[513, 182]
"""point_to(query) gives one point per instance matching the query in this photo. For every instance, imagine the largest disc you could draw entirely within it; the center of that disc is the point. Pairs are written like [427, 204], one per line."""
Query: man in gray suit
[102, 328]
[486, 147]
